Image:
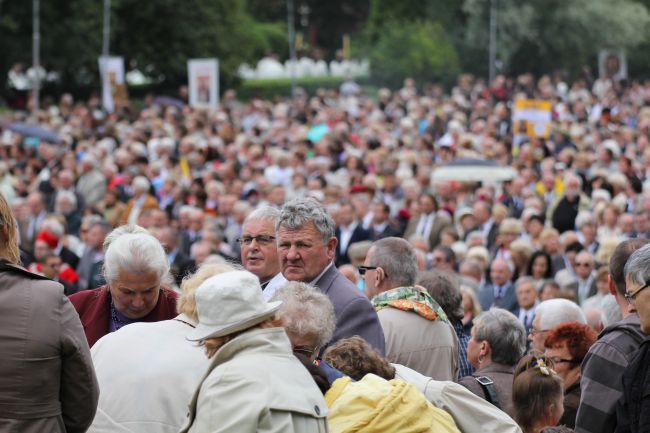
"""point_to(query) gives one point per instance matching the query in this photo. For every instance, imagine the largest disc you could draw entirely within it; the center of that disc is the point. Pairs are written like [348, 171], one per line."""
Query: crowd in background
[519, 293]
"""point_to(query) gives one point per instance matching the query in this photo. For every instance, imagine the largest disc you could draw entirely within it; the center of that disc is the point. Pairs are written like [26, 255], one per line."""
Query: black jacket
[633, 411]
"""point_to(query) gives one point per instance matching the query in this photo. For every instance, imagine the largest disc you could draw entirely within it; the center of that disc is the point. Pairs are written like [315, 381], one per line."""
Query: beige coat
[47, 381]
[255, 384]
[428, 347]
[470, 412]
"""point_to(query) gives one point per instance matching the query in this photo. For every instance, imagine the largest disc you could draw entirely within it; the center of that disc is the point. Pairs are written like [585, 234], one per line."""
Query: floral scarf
[410, 299]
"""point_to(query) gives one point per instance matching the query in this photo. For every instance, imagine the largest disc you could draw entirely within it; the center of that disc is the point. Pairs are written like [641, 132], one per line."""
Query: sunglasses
[364, 269]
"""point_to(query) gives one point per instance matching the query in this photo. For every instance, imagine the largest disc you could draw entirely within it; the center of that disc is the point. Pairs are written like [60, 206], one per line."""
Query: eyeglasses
[631, 296]
[261, 239]
[583, 264]
[307, 351]
[364, 269]
[534, 331]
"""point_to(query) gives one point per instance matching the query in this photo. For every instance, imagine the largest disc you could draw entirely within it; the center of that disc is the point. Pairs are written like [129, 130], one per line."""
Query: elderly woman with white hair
[141, 200]
[253, 381]
[135, 268]
[147, 372]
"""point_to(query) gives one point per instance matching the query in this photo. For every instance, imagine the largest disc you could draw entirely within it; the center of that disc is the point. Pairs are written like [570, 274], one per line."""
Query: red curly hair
[577, 337]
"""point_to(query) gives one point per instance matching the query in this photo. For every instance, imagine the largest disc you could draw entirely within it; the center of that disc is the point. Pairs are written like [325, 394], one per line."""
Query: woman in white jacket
[254, 382]
[147, 372]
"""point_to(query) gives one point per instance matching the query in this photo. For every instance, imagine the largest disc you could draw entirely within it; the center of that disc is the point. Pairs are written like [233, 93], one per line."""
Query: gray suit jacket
[354, 312]
[507, 302]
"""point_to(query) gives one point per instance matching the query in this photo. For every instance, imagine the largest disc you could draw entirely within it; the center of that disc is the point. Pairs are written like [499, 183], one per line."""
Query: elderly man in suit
[307, 248]
[501, 293]
[429, 224]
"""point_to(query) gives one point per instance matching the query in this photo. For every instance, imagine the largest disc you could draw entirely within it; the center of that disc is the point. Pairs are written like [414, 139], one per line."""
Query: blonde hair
[187, 302]
[9, 248]
[212, 345]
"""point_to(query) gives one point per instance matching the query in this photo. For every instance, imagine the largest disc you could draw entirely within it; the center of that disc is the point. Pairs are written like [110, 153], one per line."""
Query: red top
[93, 307]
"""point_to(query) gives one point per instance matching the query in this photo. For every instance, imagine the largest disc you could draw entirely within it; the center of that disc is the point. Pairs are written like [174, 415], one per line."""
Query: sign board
[612, 64]
[203, 76]
[114, 94]
[532, 117]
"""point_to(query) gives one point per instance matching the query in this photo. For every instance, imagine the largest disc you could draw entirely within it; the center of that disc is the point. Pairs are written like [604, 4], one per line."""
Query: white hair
[610, 311]
[53, 226]
[264, 213]
[637, 268]
[119, 231]
[554, 312]
[141, 183]
[584, 217]
[136, 253]
[306, 312]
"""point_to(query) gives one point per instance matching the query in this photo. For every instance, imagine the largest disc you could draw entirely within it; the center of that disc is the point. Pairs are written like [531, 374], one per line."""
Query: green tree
[542, 35]
[421, 50]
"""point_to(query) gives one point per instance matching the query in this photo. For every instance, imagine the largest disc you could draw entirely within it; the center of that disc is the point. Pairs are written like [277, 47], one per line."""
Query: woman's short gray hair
[505, 334]
[306, 312]
[136, 253]
[297, 213]
[119, 231]
[637, 268]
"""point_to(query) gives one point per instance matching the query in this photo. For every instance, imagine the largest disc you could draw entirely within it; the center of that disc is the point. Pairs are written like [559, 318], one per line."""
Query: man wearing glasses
[612, 353]
[633, 410]
[584, 267]
[259, 251]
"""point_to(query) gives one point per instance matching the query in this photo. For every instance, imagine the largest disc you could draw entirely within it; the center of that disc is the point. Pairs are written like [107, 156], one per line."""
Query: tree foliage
[542, 35]
[158, 36]
[421, 50]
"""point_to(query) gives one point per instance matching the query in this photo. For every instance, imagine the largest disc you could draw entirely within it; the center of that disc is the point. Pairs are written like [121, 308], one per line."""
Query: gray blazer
[507, 302]
[355, 314]
[47, 380]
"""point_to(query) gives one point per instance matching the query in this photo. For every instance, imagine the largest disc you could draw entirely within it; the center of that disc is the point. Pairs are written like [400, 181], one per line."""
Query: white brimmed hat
[228, 303]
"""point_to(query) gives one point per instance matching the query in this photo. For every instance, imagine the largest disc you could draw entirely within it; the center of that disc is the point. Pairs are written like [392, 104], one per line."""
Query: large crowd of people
[296, 265]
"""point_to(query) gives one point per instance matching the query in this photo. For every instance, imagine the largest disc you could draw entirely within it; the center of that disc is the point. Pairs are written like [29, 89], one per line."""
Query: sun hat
[228, 303]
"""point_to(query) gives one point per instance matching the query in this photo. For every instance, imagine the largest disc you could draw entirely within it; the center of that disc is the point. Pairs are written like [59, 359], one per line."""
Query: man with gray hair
[418, 333]
[550, 314]
[307, 249]
[259, 250]
[633, 411]
[91, 183]
[607, 359]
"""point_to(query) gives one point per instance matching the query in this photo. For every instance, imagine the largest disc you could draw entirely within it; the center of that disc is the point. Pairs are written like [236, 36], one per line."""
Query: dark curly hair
[355, 357]
[577, 337]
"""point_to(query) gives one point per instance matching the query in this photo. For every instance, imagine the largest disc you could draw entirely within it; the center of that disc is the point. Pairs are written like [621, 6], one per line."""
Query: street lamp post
[36, 57]
[493, 39]
[107, 28]
[292, 45]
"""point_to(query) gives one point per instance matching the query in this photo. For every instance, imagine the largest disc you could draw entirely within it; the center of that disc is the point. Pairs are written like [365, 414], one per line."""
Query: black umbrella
[33, 131]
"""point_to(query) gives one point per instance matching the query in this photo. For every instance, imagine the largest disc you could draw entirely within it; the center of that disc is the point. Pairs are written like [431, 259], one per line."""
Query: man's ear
[331, 247]
[612, 285]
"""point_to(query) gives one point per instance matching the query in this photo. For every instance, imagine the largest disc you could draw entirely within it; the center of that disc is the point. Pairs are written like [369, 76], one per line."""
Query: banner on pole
[114, 95]
[203, 76]
[532, 117]
[612, 64]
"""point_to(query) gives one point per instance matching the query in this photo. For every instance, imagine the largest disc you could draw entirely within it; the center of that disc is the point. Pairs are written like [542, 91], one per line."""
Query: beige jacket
[428, 347]
[47, 381]
[255, 384]
[471, 413]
